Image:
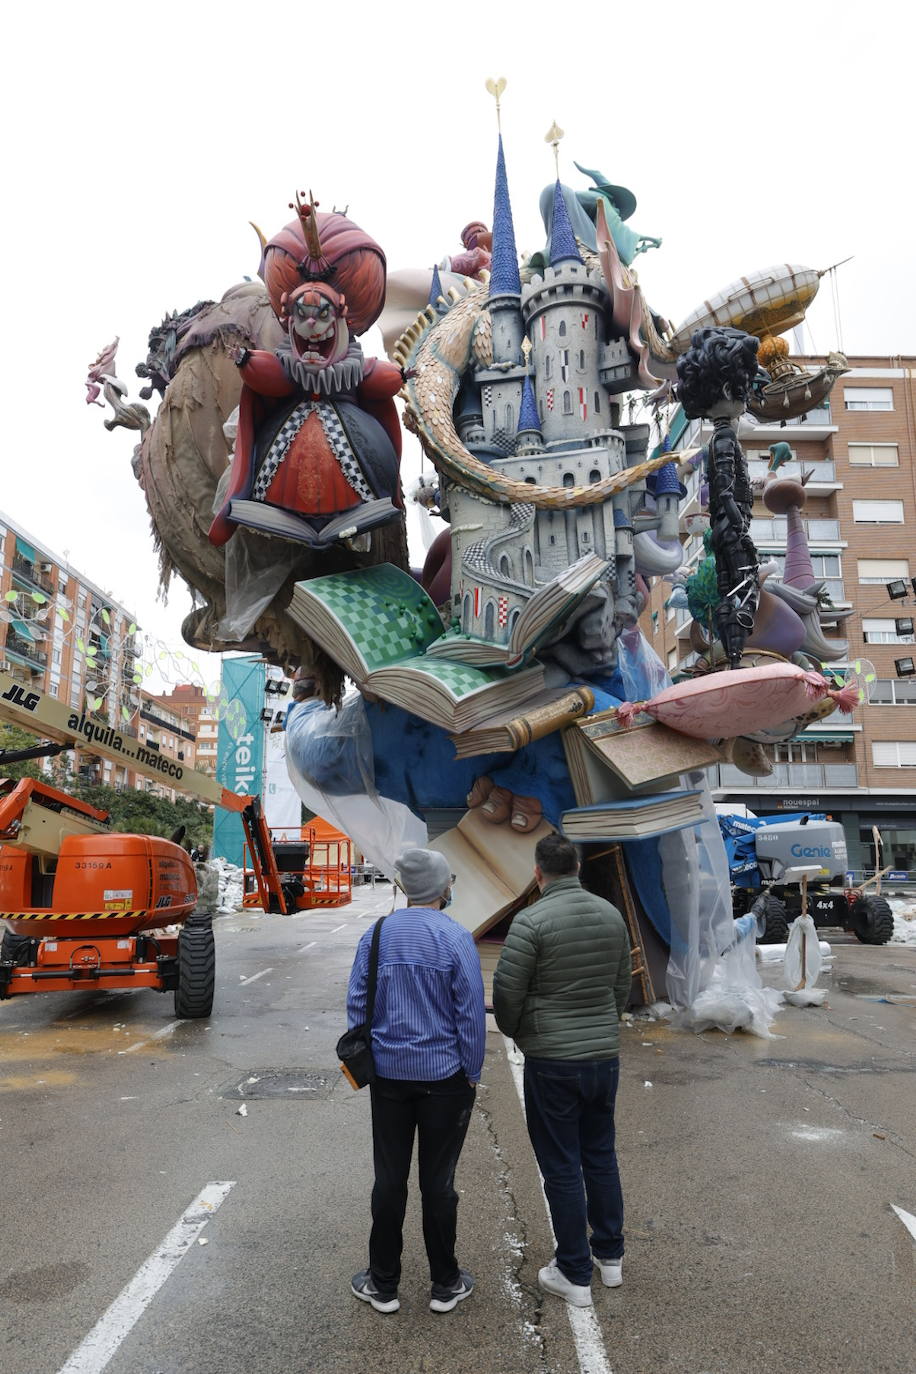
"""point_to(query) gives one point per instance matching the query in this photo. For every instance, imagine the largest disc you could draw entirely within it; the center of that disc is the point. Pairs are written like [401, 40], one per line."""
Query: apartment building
[861, 524]
[64, 635]
[166, 732]
[199, 715]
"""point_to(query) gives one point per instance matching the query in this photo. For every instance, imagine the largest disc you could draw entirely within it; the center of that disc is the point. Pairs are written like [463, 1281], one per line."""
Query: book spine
[546, 719]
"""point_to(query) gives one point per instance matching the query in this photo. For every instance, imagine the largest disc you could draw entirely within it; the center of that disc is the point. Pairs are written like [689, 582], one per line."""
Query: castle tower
[501, 385]
[564, 313]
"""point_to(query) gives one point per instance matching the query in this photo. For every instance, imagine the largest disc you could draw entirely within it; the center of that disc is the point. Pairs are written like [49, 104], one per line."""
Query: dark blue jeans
[570, 1108]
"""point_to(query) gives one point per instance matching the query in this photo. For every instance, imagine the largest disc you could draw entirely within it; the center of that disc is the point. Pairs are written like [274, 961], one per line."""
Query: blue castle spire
[504, 273]
[435, 290]
[562, 239]
[665, 482]
[528, 415]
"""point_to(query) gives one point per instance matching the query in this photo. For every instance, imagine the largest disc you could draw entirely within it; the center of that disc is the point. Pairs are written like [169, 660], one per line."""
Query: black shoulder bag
[354, 1048]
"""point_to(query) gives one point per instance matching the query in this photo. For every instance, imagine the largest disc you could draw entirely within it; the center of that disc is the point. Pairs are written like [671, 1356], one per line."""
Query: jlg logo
[20, 697]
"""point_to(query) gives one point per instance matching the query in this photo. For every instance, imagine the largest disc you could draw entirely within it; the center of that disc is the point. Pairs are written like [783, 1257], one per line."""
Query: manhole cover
[304, 1085]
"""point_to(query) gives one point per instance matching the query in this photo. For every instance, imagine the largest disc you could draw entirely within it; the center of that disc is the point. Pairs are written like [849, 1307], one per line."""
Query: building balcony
[32, 574]
[774, 531]
[824, 478]
[25, 649]
[816, 424]
[806, 776]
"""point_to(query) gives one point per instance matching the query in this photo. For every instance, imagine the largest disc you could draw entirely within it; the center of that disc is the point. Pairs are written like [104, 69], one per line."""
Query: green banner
[239, 748]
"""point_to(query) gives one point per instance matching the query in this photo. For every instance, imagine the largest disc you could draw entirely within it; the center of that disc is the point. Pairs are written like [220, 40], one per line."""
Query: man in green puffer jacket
[559, 990]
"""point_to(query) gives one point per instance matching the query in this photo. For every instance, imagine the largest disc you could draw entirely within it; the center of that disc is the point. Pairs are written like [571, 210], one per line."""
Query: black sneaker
[362, 1286]
[444, 1299]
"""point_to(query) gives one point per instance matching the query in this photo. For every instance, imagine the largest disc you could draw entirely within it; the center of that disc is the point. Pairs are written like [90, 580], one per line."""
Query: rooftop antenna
[553, 136]
[496, 87]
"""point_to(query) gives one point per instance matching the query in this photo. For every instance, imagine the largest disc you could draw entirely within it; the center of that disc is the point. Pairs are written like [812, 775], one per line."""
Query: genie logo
[814, 851]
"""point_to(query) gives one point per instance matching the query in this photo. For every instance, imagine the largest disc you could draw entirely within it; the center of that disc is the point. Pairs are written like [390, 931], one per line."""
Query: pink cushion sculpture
[739, 701]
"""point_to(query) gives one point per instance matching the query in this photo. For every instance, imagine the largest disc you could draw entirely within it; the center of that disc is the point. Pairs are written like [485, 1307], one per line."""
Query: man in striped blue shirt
[428, 1034]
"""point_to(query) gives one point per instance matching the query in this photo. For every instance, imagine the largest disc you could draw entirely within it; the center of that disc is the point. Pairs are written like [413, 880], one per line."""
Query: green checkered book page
[369, 618]
[458, 679]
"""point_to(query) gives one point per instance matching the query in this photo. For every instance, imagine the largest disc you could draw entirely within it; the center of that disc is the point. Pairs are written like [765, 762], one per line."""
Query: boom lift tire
[772, 925]
[16, 949]
[872, 920]
[196, 969]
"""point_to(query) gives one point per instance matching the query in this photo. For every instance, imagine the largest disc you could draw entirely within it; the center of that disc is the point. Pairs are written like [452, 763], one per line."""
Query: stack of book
[626, 780]
[607, 762]
[633, 818]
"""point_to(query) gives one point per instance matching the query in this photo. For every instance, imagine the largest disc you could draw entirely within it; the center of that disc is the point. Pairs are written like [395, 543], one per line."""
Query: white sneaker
[611, 1271]
[553, 1280]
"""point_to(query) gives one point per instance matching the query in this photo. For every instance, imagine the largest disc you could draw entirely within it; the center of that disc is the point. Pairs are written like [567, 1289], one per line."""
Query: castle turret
[668, 490]
[564, 311]
[529, 440]
[501, 384]
[505, 280]
[436, 295]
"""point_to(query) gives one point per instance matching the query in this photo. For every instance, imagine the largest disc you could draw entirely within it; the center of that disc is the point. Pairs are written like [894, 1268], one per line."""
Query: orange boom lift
[85, 907]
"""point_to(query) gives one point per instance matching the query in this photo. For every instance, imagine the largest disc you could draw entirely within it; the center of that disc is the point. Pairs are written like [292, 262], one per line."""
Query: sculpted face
[316, 320]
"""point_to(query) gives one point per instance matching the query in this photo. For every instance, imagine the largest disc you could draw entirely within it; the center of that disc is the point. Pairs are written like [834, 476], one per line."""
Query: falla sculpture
[271, 470]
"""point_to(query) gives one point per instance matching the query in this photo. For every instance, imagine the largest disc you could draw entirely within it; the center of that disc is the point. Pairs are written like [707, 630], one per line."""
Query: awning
[23, 631]
[840, 736]
[25, 550]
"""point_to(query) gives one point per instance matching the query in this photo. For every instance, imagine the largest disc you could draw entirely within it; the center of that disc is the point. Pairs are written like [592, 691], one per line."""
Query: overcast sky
[143, 139]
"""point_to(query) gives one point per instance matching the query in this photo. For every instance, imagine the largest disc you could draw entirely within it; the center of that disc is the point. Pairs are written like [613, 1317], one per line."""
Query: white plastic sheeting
[329, 757]
[802, 964]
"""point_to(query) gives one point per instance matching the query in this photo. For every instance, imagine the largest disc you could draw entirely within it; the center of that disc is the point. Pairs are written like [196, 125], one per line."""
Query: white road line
[113, 1326]
[254, 977]
[907, 1218]
[159, 1035]
[336, 928]
[311, 944]
[590, 1349]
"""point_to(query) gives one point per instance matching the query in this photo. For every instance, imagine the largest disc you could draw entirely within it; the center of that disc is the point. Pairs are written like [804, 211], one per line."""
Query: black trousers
[438, 1113]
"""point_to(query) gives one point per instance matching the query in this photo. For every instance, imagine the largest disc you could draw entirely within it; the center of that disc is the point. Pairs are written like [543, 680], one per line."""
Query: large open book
[378, 624]
[493, 867]
[633, 818]
[258, 515]
[544, 611]
[607, 762]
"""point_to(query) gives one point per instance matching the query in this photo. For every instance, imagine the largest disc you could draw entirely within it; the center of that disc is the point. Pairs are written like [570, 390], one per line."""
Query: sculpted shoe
[553, 1280]
[478, 794]
[611, 1271]
[526, 814]
[443, 1299]
[363, 1287]
[497, 806]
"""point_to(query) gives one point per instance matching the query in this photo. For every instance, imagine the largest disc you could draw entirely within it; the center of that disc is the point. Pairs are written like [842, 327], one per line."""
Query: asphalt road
[759, 1176]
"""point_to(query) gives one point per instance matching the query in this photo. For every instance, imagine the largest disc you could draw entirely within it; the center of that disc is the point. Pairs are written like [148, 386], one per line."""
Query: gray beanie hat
[423, 874]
